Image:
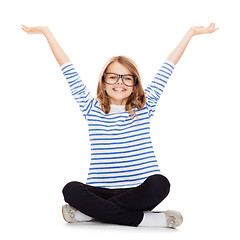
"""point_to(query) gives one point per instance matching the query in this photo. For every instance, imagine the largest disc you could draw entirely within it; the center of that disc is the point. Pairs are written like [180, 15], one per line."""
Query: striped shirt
[122, 154]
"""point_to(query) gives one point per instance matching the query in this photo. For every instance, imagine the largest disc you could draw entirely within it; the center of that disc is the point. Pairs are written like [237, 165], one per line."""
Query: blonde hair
[136, 99]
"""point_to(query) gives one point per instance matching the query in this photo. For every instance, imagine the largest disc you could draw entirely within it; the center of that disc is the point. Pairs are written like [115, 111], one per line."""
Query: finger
[24, 26]
[210, 28]
[214, 29]
[209, 25]
[213, 26]
[27, 30]
[24, 29]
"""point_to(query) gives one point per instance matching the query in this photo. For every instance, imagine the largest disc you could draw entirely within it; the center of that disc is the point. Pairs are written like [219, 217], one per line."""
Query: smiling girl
[124, 181]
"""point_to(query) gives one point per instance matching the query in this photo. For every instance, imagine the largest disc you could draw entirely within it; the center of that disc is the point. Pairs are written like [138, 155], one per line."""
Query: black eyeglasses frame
[121, 76]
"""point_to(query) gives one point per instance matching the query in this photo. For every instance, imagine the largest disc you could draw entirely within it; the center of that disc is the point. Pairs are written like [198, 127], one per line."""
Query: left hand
[201, 30]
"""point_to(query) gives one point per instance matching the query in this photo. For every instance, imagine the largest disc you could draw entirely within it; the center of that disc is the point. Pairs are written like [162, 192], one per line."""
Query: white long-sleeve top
[122, 154]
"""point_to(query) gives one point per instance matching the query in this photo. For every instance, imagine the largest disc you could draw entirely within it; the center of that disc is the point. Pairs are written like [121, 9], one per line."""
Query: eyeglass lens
[112, 78]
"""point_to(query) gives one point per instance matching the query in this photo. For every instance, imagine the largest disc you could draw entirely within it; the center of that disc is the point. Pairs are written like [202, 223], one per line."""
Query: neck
[118, 102]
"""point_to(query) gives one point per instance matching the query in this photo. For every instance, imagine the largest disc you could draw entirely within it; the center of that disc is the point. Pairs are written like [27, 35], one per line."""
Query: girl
[124, 182]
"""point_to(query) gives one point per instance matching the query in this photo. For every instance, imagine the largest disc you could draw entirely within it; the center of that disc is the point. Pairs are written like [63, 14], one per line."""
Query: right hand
[34, 30]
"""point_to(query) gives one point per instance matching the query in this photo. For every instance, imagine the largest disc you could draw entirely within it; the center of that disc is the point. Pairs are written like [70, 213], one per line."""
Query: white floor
[50, 225]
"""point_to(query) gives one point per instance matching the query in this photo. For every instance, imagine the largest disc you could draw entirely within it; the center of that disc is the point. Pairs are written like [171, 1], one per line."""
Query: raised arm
[179, 50]
[78, 89]
[57, 51]
[156, 87]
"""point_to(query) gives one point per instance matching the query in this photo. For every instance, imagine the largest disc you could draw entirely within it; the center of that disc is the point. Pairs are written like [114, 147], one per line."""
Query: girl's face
[118, 93]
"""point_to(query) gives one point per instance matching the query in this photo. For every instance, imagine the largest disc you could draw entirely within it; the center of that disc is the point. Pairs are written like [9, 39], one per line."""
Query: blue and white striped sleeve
[156, 87]
[78, 89]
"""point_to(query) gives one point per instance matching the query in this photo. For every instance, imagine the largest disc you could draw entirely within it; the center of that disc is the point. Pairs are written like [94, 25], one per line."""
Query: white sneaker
[71, 215]
[174, 218]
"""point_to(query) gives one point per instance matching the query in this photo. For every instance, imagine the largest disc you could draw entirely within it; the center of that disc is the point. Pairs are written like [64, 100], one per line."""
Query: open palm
[201, 29]
[33, 30]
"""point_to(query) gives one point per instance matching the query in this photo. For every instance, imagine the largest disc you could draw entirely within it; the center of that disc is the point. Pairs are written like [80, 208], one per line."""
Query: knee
[70, 188]
[160, 182]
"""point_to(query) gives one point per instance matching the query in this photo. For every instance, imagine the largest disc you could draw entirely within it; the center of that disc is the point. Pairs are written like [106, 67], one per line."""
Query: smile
[119, 89]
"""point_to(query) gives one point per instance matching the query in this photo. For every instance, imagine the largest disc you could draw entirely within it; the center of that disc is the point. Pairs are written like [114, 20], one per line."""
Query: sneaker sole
[63, 214]
[173, 213]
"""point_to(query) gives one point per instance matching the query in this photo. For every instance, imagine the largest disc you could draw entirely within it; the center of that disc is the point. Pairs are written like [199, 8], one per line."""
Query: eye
[128, 78]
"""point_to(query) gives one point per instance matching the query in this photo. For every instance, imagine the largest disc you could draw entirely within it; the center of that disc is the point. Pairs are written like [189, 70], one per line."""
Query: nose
[120, 82]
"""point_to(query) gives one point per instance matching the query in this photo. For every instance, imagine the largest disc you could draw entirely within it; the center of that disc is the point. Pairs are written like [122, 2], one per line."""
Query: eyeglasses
[127, 79]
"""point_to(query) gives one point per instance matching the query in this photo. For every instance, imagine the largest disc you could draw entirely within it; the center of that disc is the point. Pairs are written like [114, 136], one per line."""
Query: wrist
[190, 33]
[45, 30]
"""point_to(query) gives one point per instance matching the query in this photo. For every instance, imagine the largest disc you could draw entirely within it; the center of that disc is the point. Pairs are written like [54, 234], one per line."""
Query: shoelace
[171, 221]
[71, 211]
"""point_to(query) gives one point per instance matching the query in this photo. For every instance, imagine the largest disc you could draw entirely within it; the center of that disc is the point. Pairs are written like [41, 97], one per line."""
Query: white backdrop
[44, 137]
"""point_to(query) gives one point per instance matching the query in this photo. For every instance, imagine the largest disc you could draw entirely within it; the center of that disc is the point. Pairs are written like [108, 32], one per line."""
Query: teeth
[118, 89]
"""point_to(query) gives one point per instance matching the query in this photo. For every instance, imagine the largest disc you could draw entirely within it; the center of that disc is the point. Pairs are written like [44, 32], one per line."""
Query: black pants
[122, 206]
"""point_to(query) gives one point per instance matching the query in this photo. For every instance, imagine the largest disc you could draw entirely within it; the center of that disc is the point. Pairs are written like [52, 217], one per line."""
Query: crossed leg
[123, 206]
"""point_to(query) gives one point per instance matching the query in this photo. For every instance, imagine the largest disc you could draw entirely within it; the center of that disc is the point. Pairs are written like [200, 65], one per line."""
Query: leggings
[122, 206]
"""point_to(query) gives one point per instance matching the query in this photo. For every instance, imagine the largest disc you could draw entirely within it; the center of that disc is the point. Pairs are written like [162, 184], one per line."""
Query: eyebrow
[121, 74]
